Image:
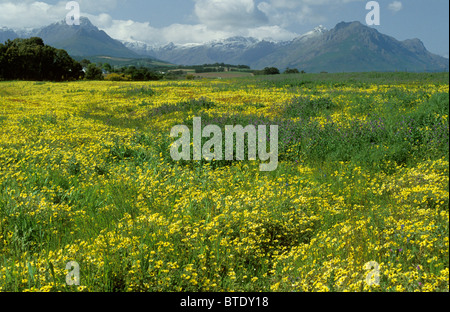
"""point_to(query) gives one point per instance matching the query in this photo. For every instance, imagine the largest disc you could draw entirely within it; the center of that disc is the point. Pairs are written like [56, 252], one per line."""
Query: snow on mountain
[233, 49]
[346, 47]
[229, 43]
[140, 47]
[316, 32]
[236, 43]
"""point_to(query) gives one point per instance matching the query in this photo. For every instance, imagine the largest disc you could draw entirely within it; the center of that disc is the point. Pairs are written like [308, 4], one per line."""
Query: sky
[197, 21]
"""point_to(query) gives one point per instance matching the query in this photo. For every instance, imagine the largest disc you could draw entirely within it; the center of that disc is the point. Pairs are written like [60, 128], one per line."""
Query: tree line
[276, 71]
[128, 73]
[31, 59]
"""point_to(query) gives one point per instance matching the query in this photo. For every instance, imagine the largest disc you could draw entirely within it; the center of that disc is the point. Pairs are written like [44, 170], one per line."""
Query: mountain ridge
[7, 34]
[349, 46]
[84, 40]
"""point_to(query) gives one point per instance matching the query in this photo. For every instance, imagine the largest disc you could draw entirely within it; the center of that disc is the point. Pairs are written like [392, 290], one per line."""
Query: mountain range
[78, 40]
[348, 47]
[6, 33]
[345, 48]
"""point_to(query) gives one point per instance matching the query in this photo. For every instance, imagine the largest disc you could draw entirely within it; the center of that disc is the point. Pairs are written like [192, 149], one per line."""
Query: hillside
[348, 47]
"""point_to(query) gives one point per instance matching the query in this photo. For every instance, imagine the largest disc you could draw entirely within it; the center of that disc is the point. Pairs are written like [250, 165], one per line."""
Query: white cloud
[180, 33]
[129, 30]
[29, 14]
[289, 12]
[395, 6]
[229, 14]
[217, 19]
[213, 19]
[292, 4]
[123, 29]
[199, 33]
[270, 32]
[98, 6]
[301, 14]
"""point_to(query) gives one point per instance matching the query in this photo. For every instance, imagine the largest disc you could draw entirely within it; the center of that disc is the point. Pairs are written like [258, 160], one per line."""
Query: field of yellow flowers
[360, 192]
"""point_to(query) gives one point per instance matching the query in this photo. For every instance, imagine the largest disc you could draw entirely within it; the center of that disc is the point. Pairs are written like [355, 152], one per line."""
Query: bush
[271, 71]
[117, 77]
[94, 73]
[140, 74]
[291, 71]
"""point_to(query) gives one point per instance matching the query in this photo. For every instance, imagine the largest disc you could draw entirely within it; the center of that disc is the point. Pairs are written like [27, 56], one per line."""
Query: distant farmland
[233, 74]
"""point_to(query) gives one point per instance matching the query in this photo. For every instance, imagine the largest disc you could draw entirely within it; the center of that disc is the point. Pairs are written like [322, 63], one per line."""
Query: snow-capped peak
[317, 31]
[233, 42]
[236, 43]
[320, 29]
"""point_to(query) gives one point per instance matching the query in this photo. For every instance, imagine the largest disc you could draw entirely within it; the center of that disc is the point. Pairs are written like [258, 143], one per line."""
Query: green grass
[119, 205]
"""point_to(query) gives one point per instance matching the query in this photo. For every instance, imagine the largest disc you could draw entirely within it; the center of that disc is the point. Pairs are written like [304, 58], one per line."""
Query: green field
[360, 191]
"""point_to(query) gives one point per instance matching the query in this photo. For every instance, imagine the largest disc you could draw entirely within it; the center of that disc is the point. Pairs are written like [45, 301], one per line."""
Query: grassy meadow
[86, 175]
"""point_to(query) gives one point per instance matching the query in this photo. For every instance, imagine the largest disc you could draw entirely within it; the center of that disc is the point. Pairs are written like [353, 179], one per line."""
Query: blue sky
[195, 21]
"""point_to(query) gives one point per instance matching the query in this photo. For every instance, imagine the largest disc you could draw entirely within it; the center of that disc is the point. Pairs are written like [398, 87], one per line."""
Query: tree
[140, 74]
[85, 63]
[291, 71]
[107, 67]
[117, 77]
[93, 72]
[65, 68]
[31, 59]
[271, 71]
[2, 60]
